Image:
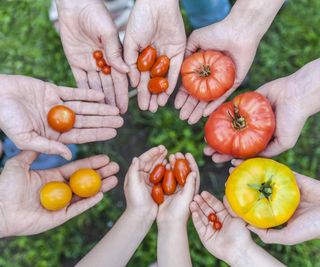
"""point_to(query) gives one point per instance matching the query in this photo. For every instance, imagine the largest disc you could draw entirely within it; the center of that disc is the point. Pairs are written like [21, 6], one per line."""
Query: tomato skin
[157, 174]
[146, 59]
[181, 170]
[55, 195]
[157, 194]
[212, 217]
[217, 225]
[160, 67]
[101, 63]
[169, 183]
[158, 85]
[106, 69]
[85, 182]
[244, 136]
[61, 118]
[263, 192]
[97, 54]
[207, 75]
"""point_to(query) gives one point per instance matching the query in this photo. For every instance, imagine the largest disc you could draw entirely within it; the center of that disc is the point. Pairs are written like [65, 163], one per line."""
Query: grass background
[30, 46]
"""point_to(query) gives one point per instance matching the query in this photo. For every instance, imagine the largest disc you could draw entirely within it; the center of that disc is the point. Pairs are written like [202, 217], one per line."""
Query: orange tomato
[146, 58]
[158, 85]
[61, 118]
[157, 194]
[157, 174]
[106, 69]
[85, 182]
[160, 67]
[101, 63]
[97, 54]
[181, 170]
[55, 195]
[169, 183]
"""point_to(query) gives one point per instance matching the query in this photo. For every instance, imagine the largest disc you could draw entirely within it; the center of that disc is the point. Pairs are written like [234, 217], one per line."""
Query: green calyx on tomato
[265, 188]
[238, 122]
[205, 71]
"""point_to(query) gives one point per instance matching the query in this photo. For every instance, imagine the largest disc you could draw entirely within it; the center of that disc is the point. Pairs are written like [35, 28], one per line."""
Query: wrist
[241, 254]
[171, 226]
[140, 219]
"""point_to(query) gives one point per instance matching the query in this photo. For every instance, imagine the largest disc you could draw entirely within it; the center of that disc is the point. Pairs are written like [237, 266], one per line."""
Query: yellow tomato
[55, 195]
[263, 192]
[85, 182]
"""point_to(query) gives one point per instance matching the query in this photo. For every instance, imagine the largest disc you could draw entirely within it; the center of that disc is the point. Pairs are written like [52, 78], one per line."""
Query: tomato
[106, 69]
[263, 192]
[158, 85]
[157, 174]
[169, 183]
[242, 127]
[181, 170]
[85, 182]
[146, 58]
[55, 195]
[207, 75]
[217, 225]
[61, 118]
[101, 63]
[97, 54]
[212, 217]
[160, 67]
[157, 194]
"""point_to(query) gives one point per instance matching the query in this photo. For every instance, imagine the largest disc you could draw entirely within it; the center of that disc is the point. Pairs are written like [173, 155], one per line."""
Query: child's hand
[226, 242]
[175, 208]
[137, 187]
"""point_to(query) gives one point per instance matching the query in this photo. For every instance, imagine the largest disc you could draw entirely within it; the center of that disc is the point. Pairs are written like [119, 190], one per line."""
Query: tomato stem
[265, 188]
[204, 71]
[238, 122]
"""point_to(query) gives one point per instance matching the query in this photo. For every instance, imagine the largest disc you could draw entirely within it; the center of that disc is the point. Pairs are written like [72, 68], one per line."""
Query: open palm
[21, 211]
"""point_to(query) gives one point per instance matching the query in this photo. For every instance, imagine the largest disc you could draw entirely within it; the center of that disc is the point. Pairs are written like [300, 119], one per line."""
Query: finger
[197, 113]
[152, 157]
[188, 108]
[144, 95]
[198, 224]
[194, 167]
[108, 88]
[131, 53]
[120, 83]
[181, 98]
[208, 150]
[193, 43]
[220, 158]
[194, 207]
[81, 136]
[94, 81]
[273, 236]
[231, 170]
[236, 162]
[212, 106]
[229, 209]
[86, 108]
[212, 201]
[153, 107]
[133, 172]
[68, 94]
[80, 77]
[189, 188]
[98, 122]
[274, 148]
[109, 183]
[24, 158]
[109, 170]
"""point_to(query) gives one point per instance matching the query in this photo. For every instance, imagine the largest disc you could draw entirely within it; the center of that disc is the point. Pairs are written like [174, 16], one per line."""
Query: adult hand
[25, 103]
[159, 24]
[86, 26]
[21, 211]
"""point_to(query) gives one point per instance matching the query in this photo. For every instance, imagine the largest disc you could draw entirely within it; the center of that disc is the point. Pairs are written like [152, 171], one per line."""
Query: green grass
[30, 46]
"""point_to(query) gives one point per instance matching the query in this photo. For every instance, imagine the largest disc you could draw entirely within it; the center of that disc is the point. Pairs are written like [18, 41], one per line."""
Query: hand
[225, 36]
[175, 208]
[137, 187]
[159, 24]
[86, 26]
[21, 211]
[23, 115]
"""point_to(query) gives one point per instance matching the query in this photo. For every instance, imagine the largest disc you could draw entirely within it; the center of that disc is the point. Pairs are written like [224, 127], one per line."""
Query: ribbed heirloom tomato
[242, 127]
[55, 195]
[146, 58]
[61, 118]
[181, 170]
[263, 192]
[85, 182]
[207, 75]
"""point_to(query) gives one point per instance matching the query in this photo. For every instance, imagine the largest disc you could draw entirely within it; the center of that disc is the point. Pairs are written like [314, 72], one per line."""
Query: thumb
[26, 157]
[274, 148]
[190, 187]
[133, 172]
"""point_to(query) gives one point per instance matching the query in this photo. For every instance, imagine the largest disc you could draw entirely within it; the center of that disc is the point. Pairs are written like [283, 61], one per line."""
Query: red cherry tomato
[158, 85]
[160, 67]
[146, 58]
[181, 170]
[97, 54]
[217, 225]
[169, 183]
[212, 217]
[157, 174]
[106, 69]
[61, 118]
[157, 194]
[101, 63]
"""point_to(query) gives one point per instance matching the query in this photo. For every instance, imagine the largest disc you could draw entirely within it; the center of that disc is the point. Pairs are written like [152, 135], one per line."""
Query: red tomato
[101, 63]
[158, 85]
[157, 194]
[160, 67]
[157, 174]
[169, 183]
[242, 127]
[97, 54]
[212, 217]
[61, 118]
[207, 75]
[217, 225]
[146, 58]
[181, 170]
[106, 69]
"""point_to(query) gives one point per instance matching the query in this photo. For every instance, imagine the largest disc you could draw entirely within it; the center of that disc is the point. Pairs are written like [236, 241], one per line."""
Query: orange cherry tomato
[212, 217]
[157, 194]
[85, 182]
[55, 195]
[217, 225]
[157, 174]
[106, 69]
[61, 118]
[97, 54]
[160, 67]
[158, 85]
[101, 63]
[169, 183]
[146, 58]
[181, 170]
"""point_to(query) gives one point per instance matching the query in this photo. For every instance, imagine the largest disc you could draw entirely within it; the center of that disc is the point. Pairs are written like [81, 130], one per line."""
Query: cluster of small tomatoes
[57, 195]
[158, 67]
[101, 62]
[216, 224]
[165, 180]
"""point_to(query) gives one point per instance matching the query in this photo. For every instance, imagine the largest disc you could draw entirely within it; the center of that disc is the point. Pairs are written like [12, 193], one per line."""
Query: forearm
[66, 4]
[173, 246]
[119, 244]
